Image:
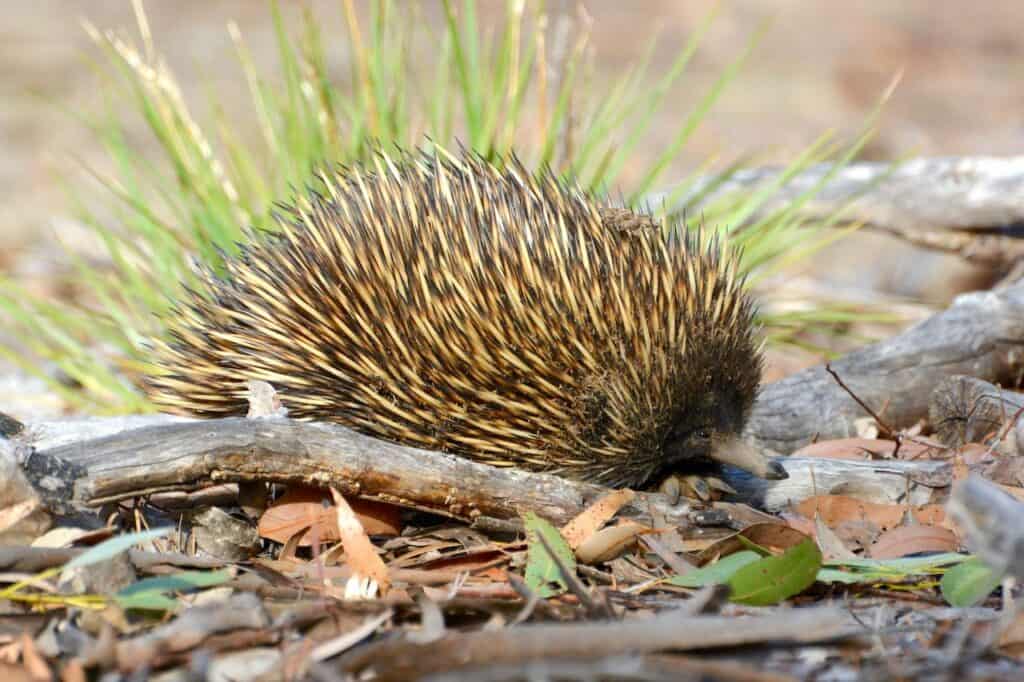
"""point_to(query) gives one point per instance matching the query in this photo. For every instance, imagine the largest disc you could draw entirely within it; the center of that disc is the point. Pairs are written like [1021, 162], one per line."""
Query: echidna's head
[711, 431]
[682, 393]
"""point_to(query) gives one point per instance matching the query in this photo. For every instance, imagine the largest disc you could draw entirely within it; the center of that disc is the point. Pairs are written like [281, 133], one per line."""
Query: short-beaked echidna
[479, 309]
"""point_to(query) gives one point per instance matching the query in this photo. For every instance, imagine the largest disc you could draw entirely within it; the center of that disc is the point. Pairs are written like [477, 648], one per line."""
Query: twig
[886, 429]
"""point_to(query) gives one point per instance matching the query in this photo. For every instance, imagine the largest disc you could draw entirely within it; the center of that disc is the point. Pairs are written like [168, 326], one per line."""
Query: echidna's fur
[440, 302]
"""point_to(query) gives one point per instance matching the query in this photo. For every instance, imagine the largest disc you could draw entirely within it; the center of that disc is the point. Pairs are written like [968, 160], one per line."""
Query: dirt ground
[821, 66]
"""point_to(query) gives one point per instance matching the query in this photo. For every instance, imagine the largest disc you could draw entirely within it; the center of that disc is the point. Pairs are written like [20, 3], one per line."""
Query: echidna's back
[449, 305]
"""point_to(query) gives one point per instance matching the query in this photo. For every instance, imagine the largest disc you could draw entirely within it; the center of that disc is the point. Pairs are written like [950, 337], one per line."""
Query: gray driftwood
[883, 481]
[969, 410]
[991, 523]
[980, 334]
[401, 659]
[193, 454]
[972, 206]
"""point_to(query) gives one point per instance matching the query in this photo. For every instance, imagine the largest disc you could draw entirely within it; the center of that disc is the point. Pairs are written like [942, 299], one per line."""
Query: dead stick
[887, 430]
[396, 659]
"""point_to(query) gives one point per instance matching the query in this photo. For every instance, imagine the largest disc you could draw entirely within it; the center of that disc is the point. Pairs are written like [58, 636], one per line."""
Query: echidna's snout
[732, 450]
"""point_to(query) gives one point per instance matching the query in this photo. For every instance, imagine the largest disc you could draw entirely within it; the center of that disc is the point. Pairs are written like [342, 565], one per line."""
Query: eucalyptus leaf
[178, 582]
[542, 573]
[717, 573]
[868, 571]
[770, 580]
[114, 546]
[969, 582]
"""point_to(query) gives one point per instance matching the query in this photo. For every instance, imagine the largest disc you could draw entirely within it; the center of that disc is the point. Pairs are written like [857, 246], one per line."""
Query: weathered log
[981, 334]
[969, 410]
[191, 454]
[972, 206]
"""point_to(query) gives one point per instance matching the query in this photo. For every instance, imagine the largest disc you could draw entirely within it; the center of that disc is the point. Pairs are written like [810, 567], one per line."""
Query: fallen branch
[971, 206]
[981, 334]
[186, 455]
[401, 659]
[193, 454]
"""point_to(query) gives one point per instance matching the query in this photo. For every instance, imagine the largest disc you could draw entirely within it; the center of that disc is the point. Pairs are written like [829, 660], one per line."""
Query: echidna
[448, 303]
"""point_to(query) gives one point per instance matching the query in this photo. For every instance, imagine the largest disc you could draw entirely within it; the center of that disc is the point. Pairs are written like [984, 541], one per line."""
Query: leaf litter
[339, 573]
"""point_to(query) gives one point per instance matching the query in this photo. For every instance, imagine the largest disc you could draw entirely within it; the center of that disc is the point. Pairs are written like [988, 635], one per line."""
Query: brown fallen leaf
[608, 543]
[20, 660]
[306, 507]
[590, 520]
[837, 509]
[906, 540]
[775, 537]
[1011, 642]
[11, 515]
[360, 553]
[831, 545]
[15, 673]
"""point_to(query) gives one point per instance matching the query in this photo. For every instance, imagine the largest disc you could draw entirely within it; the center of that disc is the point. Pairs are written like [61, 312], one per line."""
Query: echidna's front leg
[694, 486]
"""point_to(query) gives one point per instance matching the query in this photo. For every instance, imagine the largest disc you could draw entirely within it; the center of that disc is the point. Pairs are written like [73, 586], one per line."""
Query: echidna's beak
[732, 450]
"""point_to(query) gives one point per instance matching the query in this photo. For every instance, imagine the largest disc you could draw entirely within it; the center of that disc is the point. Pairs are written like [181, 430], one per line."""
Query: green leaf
[969, 583]
[542, 574]
[151, 594]
[772, 579]
[717, 573]
[178, 582]
[147, 601]
[902, 566]
[867, 571]
[114, 546]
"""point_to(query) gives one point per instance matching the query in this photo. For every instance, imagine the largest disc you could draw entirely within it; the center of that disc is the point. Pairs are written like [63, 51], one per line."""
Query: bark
[971, 206]
[981, 334]
[969, 410]
[194, 454]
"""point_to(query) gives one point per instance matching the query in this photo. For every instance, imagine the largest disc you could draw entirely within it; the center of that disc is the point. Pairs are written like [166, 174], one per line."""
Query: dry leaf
[1011, 642]
[837, 509]
[832, 546]
[11, 515]
[60, 537]
[1012, 490]
[360, 553]
[306, 507]
[15, 673]
[590, 520]
[906, 540]
[776, 537]
[607, 544]
[33, 661]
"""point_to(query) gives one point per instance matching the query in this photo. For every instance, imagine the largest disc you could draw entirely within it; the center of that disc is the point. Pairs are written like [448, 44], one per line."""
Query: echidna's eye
[703, 434]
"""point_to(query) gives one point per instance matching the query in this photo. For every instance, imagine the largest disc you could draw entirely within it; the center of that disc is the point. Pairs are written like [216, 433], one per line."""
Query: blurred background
[820, 66]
